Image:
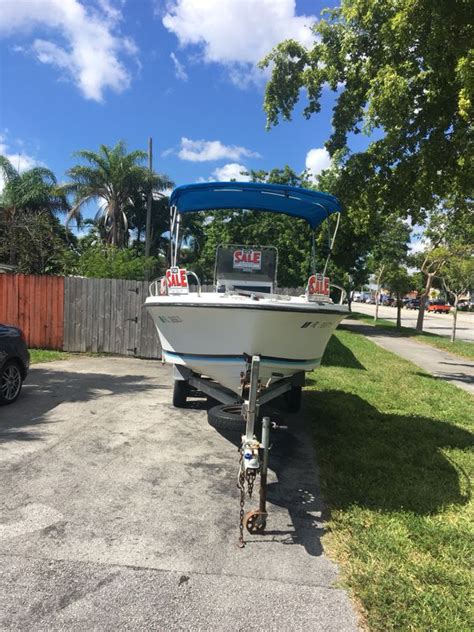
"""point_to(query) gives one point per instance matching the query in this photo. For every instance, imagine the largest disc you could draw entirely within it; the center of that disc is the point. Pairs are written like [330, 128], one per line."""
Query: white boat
[216, 334]
[244, 344]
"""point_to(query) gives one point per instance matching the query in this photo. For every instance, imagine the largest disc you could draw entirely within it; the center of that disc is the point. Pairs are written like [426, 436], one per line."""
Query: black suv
[14, 363]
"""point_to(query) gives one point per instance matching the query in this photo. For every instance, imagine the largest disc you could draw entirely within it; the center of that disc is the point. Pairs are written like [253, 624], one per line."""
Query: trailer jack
[253, 460]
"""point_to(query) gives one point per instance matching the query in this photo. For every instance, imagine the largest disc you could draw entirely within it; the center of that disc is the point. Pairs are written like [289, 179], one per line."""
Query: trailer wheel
[180, 393]
[226, 417]
[293, 399]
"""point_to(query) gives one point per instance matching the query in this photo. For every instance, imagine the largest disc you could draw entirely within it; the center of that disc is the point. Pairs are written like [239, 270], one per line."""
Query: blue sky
[78, 73]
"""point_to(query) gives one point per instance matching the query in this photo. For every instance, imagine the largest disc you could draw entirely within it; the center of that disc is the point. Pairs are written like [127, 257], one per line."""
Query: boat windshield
[251, 268]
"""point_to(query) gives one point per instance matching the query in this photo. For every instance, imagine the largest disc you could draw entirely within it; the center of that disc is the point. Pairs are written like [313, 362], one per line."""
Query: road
[440, 324]
[120, 512]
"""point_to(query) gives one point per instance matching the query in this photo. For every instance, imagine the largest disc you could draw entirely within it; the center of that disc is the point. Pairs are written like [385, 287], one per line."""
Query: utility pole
[149, 201]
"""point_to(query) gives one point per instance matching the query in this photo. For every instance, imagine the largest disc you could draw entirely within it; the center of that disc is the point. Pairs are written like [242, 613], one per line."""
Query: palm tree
[113, 178]
[32, 192]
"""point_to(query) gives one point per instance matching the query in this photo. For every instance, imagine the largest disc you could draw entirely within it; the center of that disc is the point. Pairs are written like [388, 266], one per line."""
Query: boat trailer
[253, 453]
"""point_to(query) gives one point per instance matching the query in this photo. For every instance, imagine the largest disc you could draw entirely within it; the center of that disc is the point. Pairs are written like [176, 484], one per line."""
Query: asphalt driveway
[119, 512]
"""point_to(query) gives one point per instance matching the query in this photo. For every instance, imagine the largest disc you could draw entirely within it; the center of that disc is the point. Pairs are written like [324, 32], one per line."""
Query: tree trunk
[455, 317]
[377, 296]
[349, 296]
[399, 310]
[424, 296]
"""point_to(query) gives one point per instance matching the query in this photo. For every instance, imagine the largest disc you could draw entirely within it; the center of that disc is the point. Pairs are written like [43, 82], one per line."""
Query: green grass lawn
[44, 355]
[395, 453]
[458, 347]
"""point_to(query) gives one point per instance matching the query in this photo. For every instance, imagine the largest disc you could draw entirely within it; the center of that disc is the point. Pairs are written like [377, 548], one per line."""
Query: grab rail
[155, 286]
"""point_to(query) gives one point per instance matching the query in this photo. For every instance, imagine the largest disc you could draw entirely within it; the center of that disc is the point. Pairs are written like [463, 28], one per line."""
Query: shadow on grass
[337, 354]
[463, 378]
[382, 461]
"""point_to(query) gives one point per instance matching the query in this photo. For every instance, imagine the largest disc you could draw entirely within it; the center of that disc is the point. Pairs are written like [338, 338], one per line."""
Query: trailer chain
[251, 475]
[242, 511]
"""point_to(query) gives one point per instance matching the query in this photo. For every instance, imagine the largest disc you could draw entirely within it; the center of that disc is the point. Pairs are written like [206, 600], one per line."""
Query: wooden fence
[107, 315]
[36, 304]
[82, 314]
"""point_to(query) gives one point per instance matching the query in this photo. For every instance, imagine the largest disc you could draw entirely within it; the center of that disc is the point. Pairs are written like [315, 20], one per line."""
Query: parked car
[466, 306]
[14, 363]
[439, 307]
[413, 303]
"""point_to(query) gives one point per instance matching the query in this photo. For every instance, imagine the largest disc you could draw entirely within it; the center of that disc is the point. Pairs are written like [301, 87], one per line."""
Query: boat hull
[213, 335]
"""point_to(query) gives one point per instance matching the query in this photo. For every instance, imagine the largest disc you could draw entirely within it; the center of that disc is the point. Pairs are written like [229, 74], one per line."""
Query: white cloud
[87, 45]
[205, 150]
[179, 69]
[317, 160]
[237, 34]
[230, 171]
[20, 161]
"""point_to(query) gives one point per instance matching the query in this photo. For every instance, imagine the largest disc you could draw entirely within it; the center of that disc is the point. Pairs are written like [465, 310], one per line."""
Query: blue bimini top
[312, 206]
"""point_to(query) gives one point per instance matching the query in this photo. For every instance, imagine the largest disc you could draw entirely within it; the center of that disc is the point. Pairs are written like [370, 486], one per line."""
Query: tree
[399, 282]
[117, 180]
[402, 69]
[291, 236]
[31, 238]
[107, 262]
[449, 234]
[458, 279]
[390, 250]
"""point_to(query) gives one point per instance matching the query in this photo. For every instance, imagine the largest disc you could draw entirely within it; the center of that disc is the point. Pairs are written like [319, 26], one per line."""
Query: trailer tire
[293, 399]
[180, 393]
[226, 417]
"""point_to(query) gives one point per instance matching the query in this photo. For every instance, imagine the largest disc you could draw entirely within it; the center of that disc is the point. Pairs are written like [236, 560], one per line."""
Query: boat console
[246, 268]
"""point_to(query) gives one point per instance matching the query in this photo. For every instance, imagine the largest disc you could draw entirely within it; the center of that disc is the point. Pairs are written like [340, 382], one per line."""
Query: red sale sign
[248, 259]
[318, 285]
[177, 281]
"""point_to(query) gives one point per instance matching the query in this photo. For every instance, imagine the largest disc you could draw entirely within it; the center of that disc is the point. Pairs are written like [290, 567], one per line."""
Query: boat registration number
[177, 281]
[247, 259]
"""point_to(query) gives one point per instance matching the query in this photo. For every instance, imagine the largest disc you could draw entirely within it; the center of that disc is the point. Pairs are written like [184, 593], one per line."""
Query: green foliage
[31, 237]
[108, 262]
[462, 348]
[37, 244]
[394, 450]
[458, 275]
[403, 68]
[398, 280]
[119, 182]
[291, 236]
[45, 355]
[391, 246]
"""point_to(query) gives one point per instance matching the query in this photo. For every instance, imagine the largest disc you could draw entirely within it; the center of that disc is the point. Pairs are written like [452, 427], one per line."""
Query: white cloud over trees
[207, 150]
[236, 34]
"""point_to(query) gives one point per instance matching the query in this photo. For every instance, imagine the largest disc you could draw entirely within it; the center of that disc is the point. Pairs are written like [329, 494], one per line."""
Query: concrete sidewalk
[441, 364]
[120, 512]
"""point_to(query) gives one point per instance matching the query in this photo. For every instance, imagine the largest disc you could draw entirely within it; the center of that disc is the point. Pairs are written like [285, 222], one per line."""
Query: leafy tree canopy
[290, 235]
[31, 237]
[403, 68]
[107, 262]
[118, 181]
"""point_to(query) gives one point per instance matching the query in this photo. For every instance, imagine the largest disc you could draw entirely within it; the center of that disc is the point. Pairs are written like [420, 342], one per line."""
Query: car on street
[439, 307]
[413, 303]
[466, 305]
[14, 363]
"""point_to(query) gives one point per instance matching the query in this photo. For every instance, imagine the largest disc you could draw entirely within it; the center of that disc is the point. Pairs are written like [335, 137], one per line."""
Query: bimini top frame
[312, 206]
